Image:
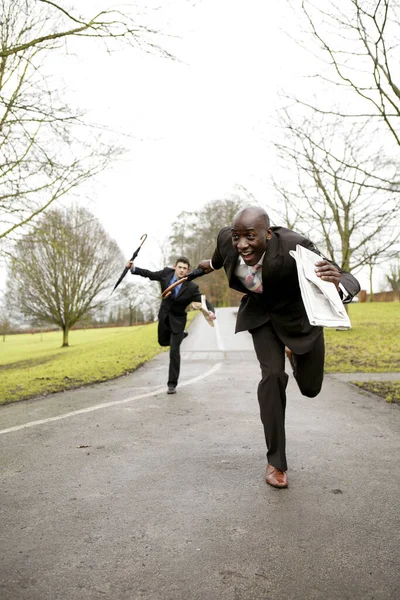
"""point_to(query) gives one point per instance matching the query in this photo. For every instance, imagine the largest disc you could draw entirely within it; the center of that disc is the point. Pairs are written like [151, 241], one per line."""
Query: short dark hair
[182, 259]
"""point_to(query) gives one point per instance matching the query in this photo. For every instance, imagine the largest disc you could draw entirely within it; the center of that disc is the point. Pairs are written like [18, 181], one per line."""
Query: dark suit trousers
[173, 340]
[308, 372]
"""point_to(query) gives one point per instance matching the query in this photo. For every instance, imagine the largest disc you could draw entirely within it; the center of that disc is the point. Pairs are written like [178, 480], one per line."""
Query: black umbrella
[189, 277]
[134, 255]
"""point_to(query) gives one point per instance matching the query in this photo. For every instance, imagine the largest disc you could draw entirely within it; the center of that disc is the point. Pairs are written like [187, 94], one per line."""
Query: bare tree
[374, 257]
[63, 268]
[6, 314]
[358, 41]
[393, 278]
[338, 192]
[57, 23]
[135, 299]
[341, 138]
[44, 153]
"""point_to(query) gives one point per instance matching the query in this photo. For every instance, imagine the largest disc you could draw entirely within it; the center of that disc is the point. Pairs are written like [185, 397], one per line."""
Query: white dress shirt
[242, 270]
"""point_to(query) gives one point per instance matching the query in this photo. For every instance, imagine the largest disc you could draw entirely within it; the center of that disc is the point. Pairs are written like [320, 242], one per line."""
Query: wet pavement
[119, 491]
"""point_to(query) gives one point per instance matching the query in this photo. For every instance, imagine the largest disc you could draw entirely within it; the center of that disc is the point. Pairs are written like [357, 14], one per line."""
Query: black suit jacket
[172, 313]
[280, 301]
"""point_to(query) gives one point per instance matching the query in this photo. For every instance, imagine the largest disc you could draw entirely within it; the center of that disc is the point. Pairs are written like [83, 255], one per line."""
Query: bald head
[252, 214]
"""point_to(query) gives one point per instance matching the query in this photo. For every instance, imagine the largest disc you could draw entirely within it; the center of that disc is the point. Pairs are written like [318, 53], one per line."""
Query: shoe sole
[278, 487]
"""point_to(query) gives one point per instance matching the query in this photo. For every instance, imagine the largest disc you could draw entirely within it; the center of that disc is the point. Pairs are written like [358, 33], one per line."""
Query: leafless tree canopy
[337, 141]
[359, 42]
[45, 152]
[337, 191]
[63, 268]
[136, 297]
[54, 22]
[6, 314]
[393, 278]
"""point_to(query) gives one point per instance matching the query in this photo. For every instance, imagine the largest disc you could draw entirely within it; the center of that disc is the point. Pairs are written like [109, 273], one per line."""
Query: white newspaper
[321, 299]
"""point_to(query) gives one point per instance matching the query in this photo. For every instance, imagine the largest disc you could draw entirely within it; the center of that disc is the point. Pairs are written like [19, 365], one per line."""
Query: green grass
[31, 365]
[389, 390]
[373, 343]
[35, 364]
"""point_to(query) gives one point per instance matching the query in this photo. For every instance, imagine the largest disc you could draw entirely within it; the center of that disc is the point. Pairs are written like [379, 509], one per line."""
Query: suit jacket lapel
[272, 265]
[231, 262]
[182, 288]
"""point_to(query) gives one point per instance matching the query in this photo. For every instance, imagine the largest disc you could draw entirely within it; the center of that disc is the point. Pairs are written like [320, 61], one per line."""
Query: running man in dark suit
[172, 315]
[257, 262]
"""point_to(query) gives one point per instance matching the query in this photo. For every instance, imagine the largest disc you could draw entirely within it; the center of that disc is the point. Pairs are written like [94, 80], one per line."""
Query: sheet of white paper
[308, 260]
[321, 299]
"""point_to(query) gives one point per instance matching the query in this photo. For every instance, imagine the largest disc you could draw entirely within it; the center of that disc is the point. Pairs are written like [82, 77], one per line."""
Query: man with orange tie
[257, 262]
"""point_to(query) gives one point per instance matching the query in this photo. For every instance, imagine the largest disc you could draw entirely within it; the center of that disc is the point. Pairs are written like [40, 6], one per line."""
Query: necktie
[177, 288]
[252, 280]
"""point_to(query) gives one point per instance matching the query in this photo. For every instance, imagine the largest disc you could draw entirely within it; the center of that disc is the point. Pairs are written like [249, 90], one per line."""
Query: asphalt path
[119, 491]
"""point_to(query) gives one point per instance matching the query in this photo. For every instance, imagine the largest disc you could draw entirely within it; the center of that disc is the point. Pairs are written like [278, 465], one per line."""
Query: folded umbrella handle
[142, 241]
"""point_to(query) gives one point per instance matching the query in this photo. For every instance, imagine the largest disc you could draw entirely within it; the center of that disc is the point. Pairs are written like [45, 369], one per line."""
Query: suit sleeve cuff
[344, 294]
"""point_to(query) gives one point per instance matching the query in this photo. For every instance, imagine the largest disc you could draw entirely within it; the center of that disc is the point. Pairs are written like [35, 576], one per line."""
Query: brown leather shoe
[276, 477]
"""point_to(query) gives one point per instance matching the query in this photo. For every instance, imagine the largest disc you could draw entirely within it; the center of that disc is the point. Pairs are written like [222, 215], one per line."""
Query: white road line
[220, 344]
[211, 371]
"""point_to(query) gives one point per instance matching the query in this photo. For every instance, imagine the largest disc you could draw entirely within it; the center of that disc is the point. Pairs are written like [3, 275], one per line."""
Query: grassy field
[373, 343]
[32, 365]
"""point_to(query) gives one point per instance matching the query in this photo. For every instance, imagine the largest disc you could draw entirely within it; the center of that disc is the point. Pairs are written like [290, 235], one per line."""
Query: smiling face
[250, 234]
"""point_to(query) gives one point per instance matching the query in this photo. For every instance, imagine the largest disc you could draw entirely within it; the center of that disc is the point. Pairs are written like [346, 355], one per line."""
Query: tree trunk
[371, 293]
[65, 336]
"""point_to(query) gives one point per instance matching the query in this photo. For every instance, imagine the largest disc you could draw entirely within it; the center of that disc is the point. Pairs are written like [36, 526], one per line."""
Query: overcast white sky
[197, 126]
[193, 129]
